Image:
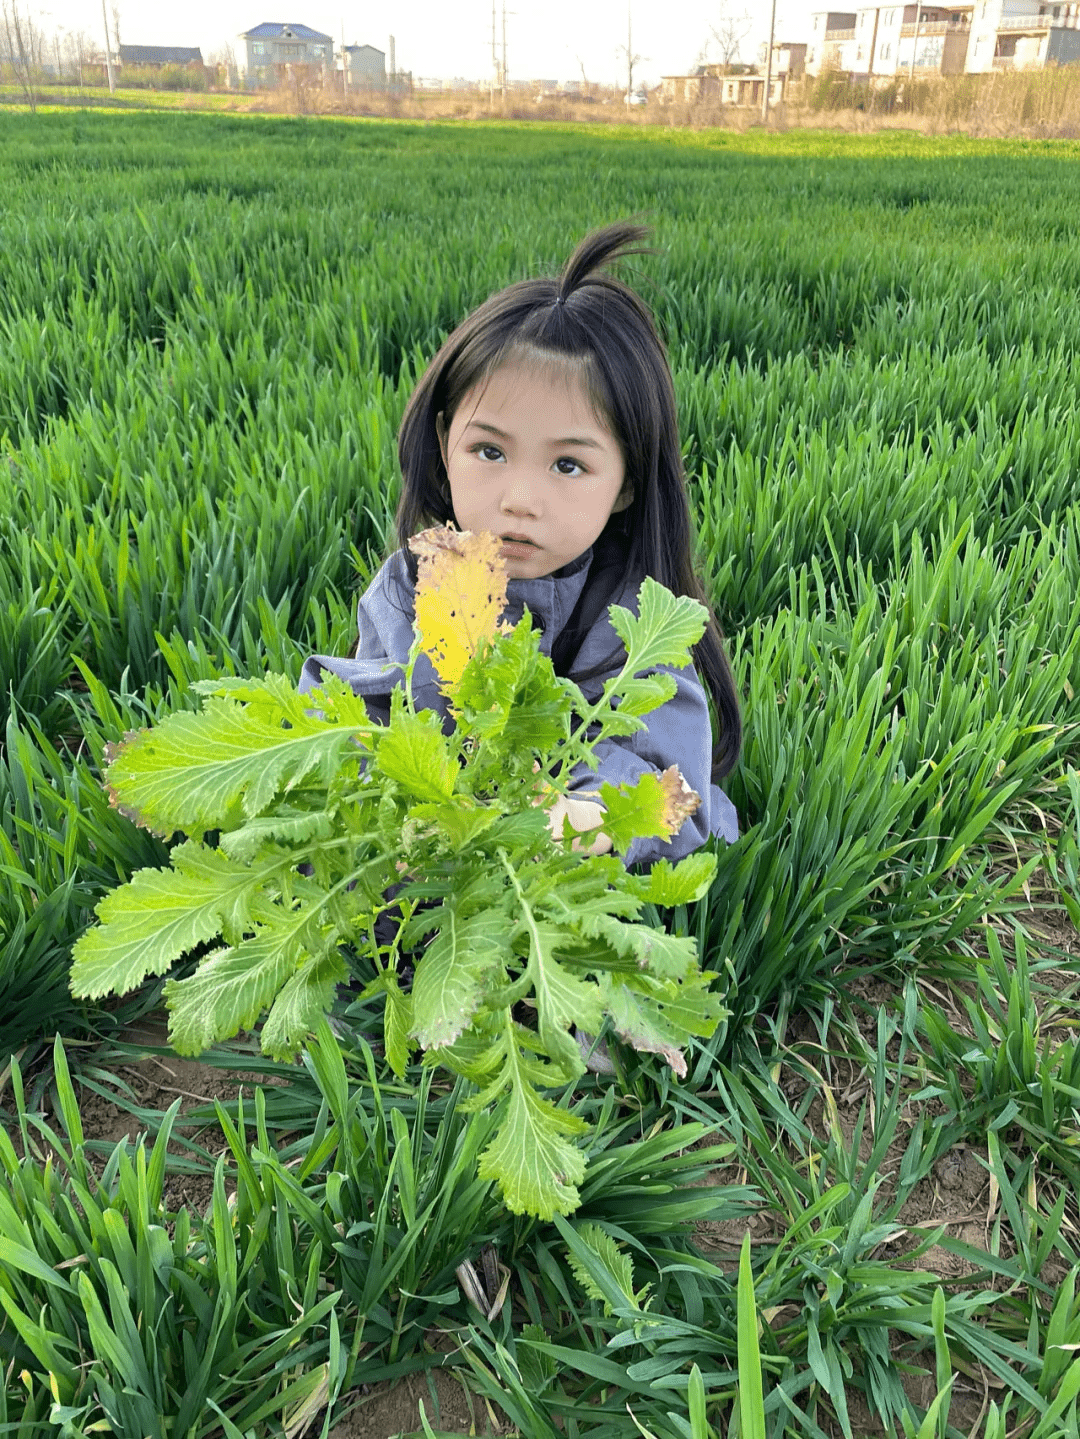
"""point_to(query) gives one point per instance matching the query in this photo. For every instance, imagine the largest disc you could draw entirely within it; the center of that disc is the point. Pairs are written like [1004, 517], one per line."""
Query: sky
[545, 39]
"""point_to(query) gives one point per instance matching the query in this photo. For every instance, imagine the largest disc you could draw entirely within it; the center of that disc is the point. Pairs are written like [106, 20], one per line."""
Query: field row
[209, 328]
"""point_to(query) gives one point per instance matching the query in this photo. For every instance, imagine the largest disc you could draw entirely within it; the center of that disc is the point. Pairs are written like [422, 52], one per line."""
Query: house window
[859, 53]
[318, 50]
[886, 50]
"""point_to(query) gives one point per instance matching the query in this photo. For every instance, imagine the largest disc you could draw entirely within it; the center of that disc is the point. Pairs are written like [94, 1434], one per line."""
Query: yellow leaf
[460, 594]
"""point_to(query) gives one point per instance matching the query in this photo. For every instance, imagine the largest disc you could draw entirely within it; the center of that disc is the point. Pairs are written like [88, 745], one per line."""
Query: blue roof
[275, 29]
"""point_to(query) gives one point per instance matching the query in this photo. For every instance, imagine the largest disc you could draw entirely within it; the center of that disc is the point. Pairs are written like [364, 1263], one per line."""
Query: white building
[1022, 35]
[948, 39]
[832, 41]
[365, 67]
[274, 50]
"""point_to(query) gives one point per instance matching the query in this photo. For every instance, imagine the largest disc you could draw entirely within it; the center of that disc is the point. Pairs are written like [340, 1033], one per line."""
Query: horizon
[432, 45]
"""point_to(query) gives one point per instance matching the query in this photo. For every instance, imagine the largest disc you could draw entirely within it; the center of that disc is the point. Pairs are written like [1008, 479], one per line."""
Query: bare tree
[627, 52]
[221, 62]
[730, 31]
[23, 40]
[77, 48]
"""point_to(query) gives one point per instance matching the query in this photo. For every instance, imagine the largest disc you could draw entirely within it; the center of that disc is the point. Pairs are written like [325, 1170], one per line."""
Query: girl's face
[526, 453]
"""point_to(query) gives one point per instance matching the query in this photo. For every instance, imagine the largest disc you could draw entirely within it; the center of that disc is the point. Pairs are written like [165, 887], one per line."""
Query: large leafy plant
[299, 810]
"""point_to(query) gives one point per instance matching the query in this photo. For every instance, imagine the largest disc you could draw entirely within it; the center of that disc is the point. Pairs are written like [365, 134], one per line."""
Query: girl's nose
[521, 488]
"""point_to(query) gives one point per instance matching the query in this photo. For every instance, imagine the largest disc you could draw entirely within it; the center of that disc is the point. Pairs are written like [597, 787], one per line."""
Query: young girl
[548, 418]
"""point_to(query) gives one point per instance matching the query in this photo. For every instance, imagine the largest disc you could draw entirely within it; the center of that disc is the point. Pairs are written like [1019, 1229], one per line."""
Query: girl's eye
[489, 452]
[567, 466]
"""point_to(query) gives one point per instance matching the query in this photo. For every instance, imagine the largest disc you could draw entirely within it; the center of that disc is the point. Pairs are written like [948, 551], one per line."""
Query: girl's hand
[583, 814]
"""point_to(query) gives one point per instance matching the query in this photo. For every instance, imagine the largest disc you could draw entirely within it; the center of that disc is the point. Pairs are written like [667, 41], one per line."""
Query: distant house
[879, 42]
[689, 89]
[274, 49]
[159, 55]
[365, 67]
[832, 44]
[737, 84]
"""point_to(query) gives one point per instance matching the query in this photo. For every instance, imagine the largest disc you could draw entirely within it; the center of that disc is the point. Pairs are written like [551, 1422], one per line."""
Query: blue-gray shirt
[678, 732]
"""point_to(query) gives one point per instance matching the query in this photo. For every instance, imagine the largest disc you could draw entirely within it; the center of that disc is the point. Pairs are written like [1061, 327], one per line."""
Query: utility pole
[393, 69]
[629, 53]
[915, 40]
[108, 56]
[768, 67]
[504, 52]
[494, 58]
[344, 62]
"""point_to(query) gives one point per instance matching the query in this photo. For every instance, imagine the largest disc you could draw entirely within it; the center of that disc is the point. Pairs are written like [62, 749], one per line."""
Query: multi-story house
[365, 67]
[1023, 34]
[832, 41]
[890, 37]
[275, 49]
[945, 39]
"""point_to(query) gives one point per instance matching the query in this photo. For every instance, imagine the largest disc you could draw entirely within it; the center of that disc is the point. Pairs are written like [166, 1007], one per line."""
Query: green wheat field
[858, 1213]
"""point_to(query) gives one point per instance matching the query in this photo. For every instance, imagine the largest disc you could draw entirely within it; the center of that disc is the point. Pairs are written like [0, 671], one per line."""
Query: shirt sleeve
[678, 733]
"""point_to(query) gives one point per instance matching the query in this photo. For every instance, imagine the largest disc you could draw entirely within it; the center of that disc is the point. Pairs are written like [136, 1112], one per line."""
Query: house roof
[355, 49]
[287, 29]
[159, 55]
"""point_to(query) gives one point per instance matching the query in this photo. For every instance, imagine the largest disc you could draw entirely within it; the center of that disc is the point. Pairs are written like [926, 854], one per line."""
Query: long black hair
[595, 321]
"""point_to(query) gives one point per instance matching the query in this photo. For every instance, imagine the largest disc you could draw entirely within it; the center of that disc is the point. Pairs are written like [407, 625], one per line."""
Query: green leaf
[461, 822]
[618, 1264]
[667, 956]
[159, 915]
[303, 1001]
[536, 1167]
[667, 885]
[287, 825]
[562, 999]
[512, 694]
[397, 1023]
[656, 1016]
[416, 754]
[197, 771]
[231, 988]
[640, 696]
[664, 629]
[450, 979]
[653, 807]
[751, 1399]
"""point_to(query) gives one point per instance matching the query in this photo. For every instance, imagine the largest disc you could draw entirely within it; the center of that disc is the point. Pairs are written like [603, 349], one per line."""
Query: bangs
[548, 363]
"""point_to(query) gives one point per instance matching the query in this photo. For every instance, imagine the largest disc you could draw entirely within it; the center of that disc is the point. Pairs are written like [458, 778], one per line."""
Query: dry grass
[1042, 104]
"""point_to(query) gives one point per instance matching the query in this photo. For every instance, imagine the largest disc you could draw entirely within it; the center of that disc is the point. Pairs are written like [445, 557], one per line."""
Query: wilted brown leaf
[680, 801]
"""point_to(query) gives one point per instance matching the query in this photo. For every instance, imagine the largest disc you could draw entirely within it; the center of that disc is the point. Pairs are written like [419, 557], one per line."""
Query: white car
[636, 97]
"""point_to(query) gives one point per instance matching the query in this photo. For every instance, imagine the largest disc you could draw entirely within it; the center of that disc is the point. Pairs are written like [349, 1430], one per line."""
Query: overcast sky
[545, 39]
